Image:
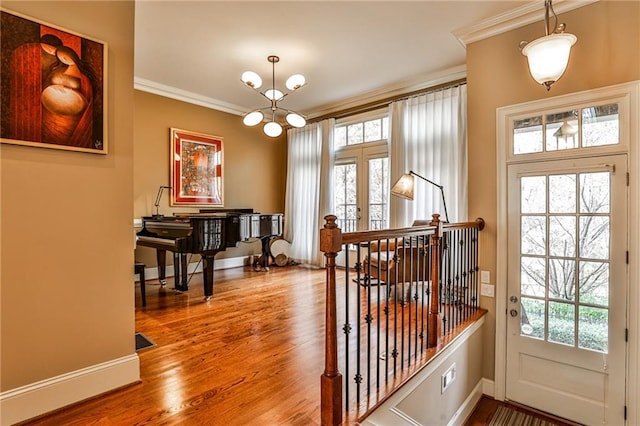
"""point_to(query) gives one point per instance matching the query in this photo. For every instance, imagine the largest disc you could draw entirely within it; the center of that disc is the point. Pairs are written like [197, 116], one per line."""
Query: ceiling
[349, 51]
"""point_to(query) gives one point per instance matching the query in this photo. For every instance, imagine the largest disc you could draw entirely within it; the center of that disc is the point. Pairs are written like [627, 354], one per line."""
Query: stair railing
[402, 291]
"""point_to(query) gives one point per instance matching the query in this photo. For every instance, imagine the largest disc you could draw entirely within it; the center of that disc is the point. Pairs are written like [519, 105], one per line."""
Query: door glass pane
[378, 193]
[562, 323]
[533, 194]
[534, 235]
[532, 276]
[600, 125]
[532, 317]
[564, 262]
[594, 192]
[562, 130]
[594, 283]
[562, 279]
[593, 329]
[345, 197]
[562, 194]
[594, 237]
[527, 135]
[562, 231]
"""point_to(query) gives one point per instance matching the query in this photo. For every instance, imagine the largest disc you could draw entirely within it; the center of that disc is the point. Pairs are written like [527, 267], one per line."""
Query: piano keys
[206, 233]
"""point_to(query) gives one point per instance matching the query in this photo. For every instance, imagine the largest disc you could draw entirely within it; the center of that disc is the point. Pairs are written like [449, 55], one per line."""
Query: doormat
[143, 342]
[507, 416]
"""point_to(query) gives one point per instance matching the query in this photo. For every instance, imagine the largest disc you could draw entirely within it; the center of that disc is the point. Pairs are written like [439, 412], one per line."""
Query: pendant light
[272, 128]
[548, 56]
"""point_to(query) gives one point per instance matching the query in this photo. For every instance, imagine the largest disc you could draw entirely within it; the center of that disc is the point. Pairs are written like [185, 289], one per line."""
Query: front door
[567, 287]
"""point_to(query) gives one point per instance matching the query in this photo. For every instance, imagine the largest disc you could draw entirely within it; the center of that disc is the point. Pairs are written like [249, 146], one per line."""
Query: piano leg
[180, 271]
[207, 272]
[184, 268]
[265, 254]
[161, 257]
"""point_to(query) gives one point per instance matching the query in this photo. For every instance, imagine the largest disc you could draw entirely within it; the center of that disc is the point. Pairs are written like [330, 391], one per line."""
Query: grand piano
[206, 233]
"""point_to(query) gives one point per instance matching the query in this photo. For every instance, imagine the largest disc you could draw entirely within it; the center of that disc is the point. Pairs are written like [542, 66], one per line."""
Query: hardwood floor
[252, 355]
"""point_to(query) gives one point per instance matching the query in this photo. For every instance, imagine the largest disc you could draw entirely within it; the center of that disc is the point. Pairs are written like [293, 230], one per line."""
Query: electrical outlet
[447, 378]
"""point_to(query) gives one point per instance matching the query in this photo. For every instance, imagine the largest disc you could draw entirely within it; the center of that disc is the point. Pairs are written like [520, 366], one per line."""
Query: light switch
[487, 290]
[485, 277]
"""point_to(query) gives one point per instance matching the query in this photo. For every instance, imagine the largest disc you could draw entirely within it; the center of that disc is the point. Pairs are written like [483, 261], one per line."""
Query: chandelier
[548, 56]
[272, 128]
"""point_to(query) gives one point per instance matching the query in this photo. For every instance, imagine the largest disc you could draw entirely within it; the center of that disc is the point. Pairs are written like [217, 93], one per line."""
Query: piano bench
[139, 269]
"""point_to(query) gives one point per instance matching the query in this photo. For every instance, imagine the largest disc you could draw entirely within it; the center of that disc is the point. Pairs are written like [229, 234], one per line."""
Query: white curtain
[309, 191]
[429, 137]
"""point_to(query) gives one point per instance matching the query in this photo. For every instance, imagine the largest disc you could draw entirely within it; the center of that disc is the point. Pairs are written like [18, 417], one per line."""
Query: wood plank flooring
[252, 355]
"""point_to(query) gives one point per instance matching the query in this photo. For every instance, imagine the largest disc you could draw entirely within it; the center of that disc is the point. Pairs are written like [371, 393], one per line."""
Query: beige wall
[255, 165]
[67, 253]
[607, 53]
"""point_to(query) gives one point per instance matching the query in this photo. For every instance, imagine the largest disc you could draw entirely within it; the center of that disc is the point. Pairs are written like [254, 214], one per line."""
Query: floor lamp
[403, 188]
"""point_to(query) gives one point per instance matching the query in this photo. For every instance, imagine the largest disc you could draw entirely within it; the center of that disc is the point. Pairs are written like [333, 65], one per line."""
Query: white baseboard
[38, 398]
[488, 387]
[467, 407]
[224, 263]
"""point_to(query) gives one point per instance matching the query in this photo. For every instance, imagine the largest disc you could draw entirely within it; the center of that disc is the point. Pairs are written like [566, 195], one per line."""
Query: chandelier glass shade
[548, 56]
[272, 128]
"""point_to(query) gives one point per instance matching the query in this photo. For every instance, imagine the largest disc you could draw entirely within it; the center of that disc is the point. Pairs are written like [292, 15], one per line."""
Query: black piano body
[206, 233]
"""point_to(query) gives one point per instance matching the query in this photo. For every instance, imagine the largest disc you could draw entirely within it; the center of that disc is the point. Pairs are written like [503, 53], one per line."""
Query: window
[585, 127]
[361, 171]
[361, 131]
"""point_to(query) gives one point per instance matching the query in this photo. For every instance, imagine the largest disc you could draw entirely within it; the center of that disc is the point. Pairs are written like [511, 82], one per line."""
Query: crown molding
[516, 18]
[185, 96]
[416, 84]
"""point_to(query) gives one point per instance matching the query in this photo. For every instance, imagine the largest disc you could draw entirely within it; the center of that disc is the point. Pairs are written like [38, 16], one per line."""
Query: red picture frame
[196, 169]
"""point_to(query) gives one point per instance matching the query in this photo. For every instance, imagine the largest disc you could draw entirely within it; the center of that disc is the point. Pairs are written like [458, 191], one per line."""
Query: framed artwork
[196, 169]
[53, 86]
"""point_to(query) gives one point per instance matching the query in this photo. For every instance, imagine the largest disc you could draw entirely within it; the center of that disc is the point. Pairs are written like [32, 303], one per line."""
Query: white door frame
[630, 141]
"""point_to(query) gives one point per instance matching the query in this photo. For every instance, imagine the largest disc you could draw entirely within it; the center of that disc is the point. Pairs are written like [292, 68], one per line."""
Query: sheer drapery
[429, 136]
[309, 195]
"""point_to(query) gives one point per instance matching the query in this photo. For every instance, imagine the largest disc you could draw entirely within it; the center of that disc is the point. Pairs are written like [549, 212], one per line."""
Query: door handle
[513, 299]
[513, 313]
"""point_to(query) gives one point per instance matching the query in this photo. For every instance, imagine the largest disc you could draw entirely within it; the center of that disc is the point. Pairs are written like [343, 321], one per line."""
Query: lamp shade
[296, 120]
[251, 79]
[272, 129]
[296, 81]
[404, 187]
[548, 57]
[274, 94]
[253, 118]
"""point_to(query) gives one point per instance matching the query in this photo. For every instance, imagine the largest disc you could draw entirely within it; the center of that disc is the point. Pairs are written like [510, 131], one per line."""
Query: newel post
[331, 380]
[434, 305]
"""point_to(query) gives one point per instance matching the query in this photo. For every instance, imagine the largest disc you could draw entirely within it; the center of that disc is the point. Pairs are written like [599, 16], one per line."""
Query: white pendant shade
[253, 118]
[251, 79]
[548, 57]
[272, 129]
[296, 120]
[274, 94]
[294, 82]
